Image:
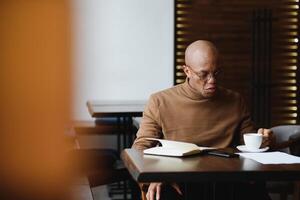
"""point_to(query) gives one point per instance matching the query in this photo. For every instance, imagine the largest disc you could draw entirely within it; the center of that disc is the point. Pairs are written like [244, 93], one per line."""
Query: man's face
[203, 76]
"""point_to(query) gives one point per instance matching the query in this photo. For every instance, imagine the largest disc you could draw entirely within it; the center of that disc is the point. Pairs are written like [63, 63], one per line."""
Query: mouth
[211, 89]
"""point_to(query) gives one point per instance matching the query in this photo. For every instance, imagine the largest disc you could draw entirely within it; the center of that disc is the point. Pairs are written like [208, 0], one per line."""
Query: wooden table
[115, 108]
[203, 168]
[150, 168]
[124, 111]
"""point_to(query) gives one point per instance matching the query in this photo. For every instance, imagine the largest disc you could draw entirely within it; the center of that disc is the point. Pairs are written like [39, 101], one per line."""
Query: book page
[272, 157]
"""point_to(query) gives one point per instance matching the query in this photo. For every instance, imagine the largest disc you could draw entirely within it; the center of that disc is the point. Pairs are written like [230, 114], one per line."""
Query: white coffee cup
[253, 141]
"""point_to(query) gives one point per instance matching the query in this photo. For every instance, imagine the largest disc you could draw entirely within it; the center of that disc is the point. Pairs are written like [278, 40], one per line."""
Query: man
[198, 111]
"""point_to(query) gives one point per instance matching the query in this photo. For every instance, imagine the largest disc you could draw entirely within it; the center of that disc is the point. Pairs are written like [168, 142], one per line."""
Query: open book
[175, 148]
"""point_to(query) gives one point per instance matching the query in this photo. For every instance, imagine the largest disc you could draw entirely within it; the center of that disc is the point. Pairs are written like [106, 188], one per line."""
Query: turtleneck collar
[191, 92]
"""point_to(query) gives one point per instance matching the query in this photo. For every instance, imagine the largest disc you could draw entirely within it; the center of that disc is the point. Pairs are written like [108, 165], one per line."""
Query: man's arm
[246, 123]
[247, 126]
[150, 126]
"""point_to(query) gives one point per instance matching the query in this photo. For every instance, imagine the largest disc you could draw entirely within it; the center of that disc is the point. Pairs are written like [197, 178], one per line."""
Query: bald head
[201, 67]
[199, 52]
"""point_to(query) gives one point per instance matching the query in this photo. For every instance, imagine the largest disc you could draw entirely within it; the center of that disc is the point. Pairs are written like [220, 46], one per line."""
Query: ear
[186, 70]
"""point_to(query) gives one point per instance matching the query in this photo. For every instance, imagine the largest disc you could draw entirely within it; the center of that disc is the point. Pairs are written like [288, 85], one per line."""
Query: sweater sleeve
[246, 124]
[150, 126]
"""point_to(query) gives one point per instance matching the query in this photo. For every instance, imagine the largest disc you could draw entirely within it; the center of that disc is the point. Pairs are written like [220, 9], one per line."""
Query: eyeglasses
[205, 76]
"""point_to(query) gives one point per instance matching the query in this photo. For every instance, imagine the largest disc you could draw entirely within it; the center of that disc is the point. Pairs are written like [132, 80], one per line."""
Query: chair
[288, 141]
[101, 166]
[286, 137]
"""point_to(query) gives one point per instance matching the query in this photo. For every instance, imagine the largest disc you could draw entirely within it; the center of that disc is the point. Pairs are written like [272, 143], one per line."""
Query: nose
[211, 79]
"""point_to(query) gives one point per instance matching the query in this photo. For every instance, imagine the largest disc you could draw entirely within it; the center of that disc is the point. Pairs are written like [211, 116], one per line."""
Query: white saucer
[243, 148]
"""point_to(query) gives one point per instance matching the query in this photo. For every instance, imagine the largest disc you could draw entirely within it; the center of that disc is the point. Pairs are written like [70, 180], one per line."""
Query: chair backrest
[283, 133]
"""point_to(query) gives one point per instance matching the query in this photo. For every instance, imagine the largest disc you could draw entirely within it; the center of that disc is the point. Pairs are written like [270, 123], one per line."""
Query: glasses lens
[207, 76]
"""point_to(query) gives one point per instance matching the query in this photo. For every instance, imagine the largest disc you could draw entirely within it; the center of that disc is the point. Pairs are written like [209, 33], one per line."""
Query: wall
[123, 49]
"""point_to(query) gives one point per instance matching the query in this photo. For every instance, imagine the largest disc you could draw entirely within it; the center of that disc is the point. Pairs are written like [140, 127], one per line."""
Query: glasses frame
[206, 76]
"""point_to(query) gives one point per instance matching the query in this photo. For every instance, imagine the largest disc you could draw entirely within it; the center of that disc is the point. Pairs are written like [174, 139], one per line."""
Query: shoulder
[162, 97]
[232, 100]
[230, 95]
[166, 93]
[225, 92]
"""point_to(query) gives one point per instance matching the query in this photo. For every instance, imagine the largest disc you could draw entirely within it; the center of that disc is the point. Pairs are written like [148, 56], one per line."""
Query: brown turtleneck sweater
[181, 113]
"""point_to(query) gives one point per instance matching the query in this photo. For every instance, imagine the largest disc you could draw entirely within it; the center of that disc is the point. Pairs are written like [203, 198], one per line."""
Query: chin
[209, 95]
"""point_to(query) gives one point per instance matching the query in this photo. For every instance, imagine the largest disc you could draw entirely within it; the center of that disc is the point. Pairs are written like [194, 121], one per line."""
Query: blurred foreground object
[34, 98]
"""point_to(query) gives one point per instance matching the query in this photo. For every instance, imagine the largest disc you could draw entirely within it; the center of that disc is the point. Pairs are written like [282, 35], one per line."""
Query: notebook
[175, 148]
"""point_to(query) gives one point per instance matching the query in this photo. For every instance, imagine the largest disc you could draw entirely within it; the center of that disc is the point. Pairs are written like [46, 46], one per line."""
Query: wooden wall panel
[229, 25]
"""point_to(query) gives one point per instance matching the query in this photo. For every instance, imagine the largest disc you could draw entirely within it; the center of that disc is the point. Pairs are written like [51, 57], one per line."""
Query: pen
[223, 154]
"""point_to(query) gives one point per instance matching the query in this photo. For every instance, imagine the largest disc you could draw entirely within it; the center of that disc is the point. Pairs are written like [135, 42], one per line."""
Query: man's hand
[154, 190]
[268, 137]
